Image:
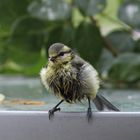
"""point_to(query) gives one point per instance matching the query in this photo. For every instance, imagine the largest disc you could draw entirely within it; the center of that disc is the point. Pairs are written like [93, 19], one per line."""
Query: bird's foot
[51, 112]
[89, 114]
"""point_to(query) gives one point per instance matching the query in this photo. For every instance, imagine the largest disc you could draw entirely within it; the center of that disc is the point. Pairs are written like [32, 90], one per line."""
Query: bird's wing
[88, 75]
[78, 62]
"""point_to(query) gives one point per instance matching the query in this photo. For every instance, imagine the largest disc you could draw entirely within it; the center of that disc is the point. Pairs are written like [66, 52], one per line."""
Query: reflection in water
[29, 94]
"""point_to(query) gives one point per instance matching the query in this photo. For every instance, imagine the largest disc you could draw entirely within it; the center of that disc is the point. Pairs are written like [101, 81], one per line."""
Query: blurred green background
[104, 32]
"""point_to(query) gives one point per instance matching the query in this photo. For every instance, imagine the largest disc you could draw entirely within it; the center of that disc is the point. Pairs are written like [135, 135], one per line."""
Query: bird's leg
[54, 109]
[89, 111]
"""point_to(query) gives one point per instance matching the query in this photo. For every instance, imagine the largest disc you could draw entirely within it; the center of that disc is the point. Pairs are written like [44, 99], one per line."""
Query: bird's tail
[101, 102]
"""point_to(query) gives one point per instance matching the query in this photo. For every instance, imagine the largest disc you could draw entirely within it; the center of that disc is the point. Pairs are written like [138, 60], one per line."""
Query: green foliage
[89, 48]
[61, 34]
[50, 10]
[122, 40]
[90, 7]
[126, 68]
[29, 27]
[10, 10]
[27, 39]
[129, 12]
[137, 46]
[2, 52]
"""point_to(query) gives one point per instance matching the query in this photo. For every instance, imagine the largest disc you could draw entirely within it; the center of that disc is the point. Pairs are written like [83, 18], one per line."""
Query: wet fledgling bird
[73, 79]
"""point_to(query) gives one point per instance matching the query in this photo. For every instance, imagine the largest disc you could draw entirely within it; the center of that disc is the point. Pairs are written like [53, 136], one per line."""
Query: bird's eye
[61, 53]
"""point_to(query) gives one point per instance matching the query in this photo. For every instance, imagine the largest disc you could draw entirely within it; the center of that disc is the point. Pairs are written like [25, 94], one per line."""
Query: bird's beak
[52, 59]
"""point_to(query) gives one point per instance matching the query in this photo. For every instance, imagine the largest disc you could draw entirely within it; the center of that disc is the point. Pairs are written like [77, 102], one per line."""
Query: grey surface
[35, 125]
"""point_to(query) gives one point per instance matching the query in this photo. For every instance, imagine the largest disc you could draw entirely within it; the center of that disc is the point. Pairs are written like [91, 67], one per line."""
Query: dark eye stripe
[62, 53]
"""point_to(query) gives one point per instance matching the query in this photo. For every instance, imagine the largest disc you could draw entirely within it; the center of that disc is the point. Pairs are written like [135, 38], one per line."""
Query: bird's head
[60, 54]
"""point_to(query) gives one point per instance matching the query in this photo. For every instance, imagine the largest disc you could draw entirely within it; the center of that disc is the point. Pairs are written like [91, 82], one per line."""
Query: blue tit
[72, 79]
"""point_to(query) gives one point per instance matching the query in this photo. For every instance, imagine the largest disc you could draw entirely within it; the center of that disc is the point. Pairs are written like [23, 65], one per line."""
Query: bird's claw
[89, 114]
[51, 112]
